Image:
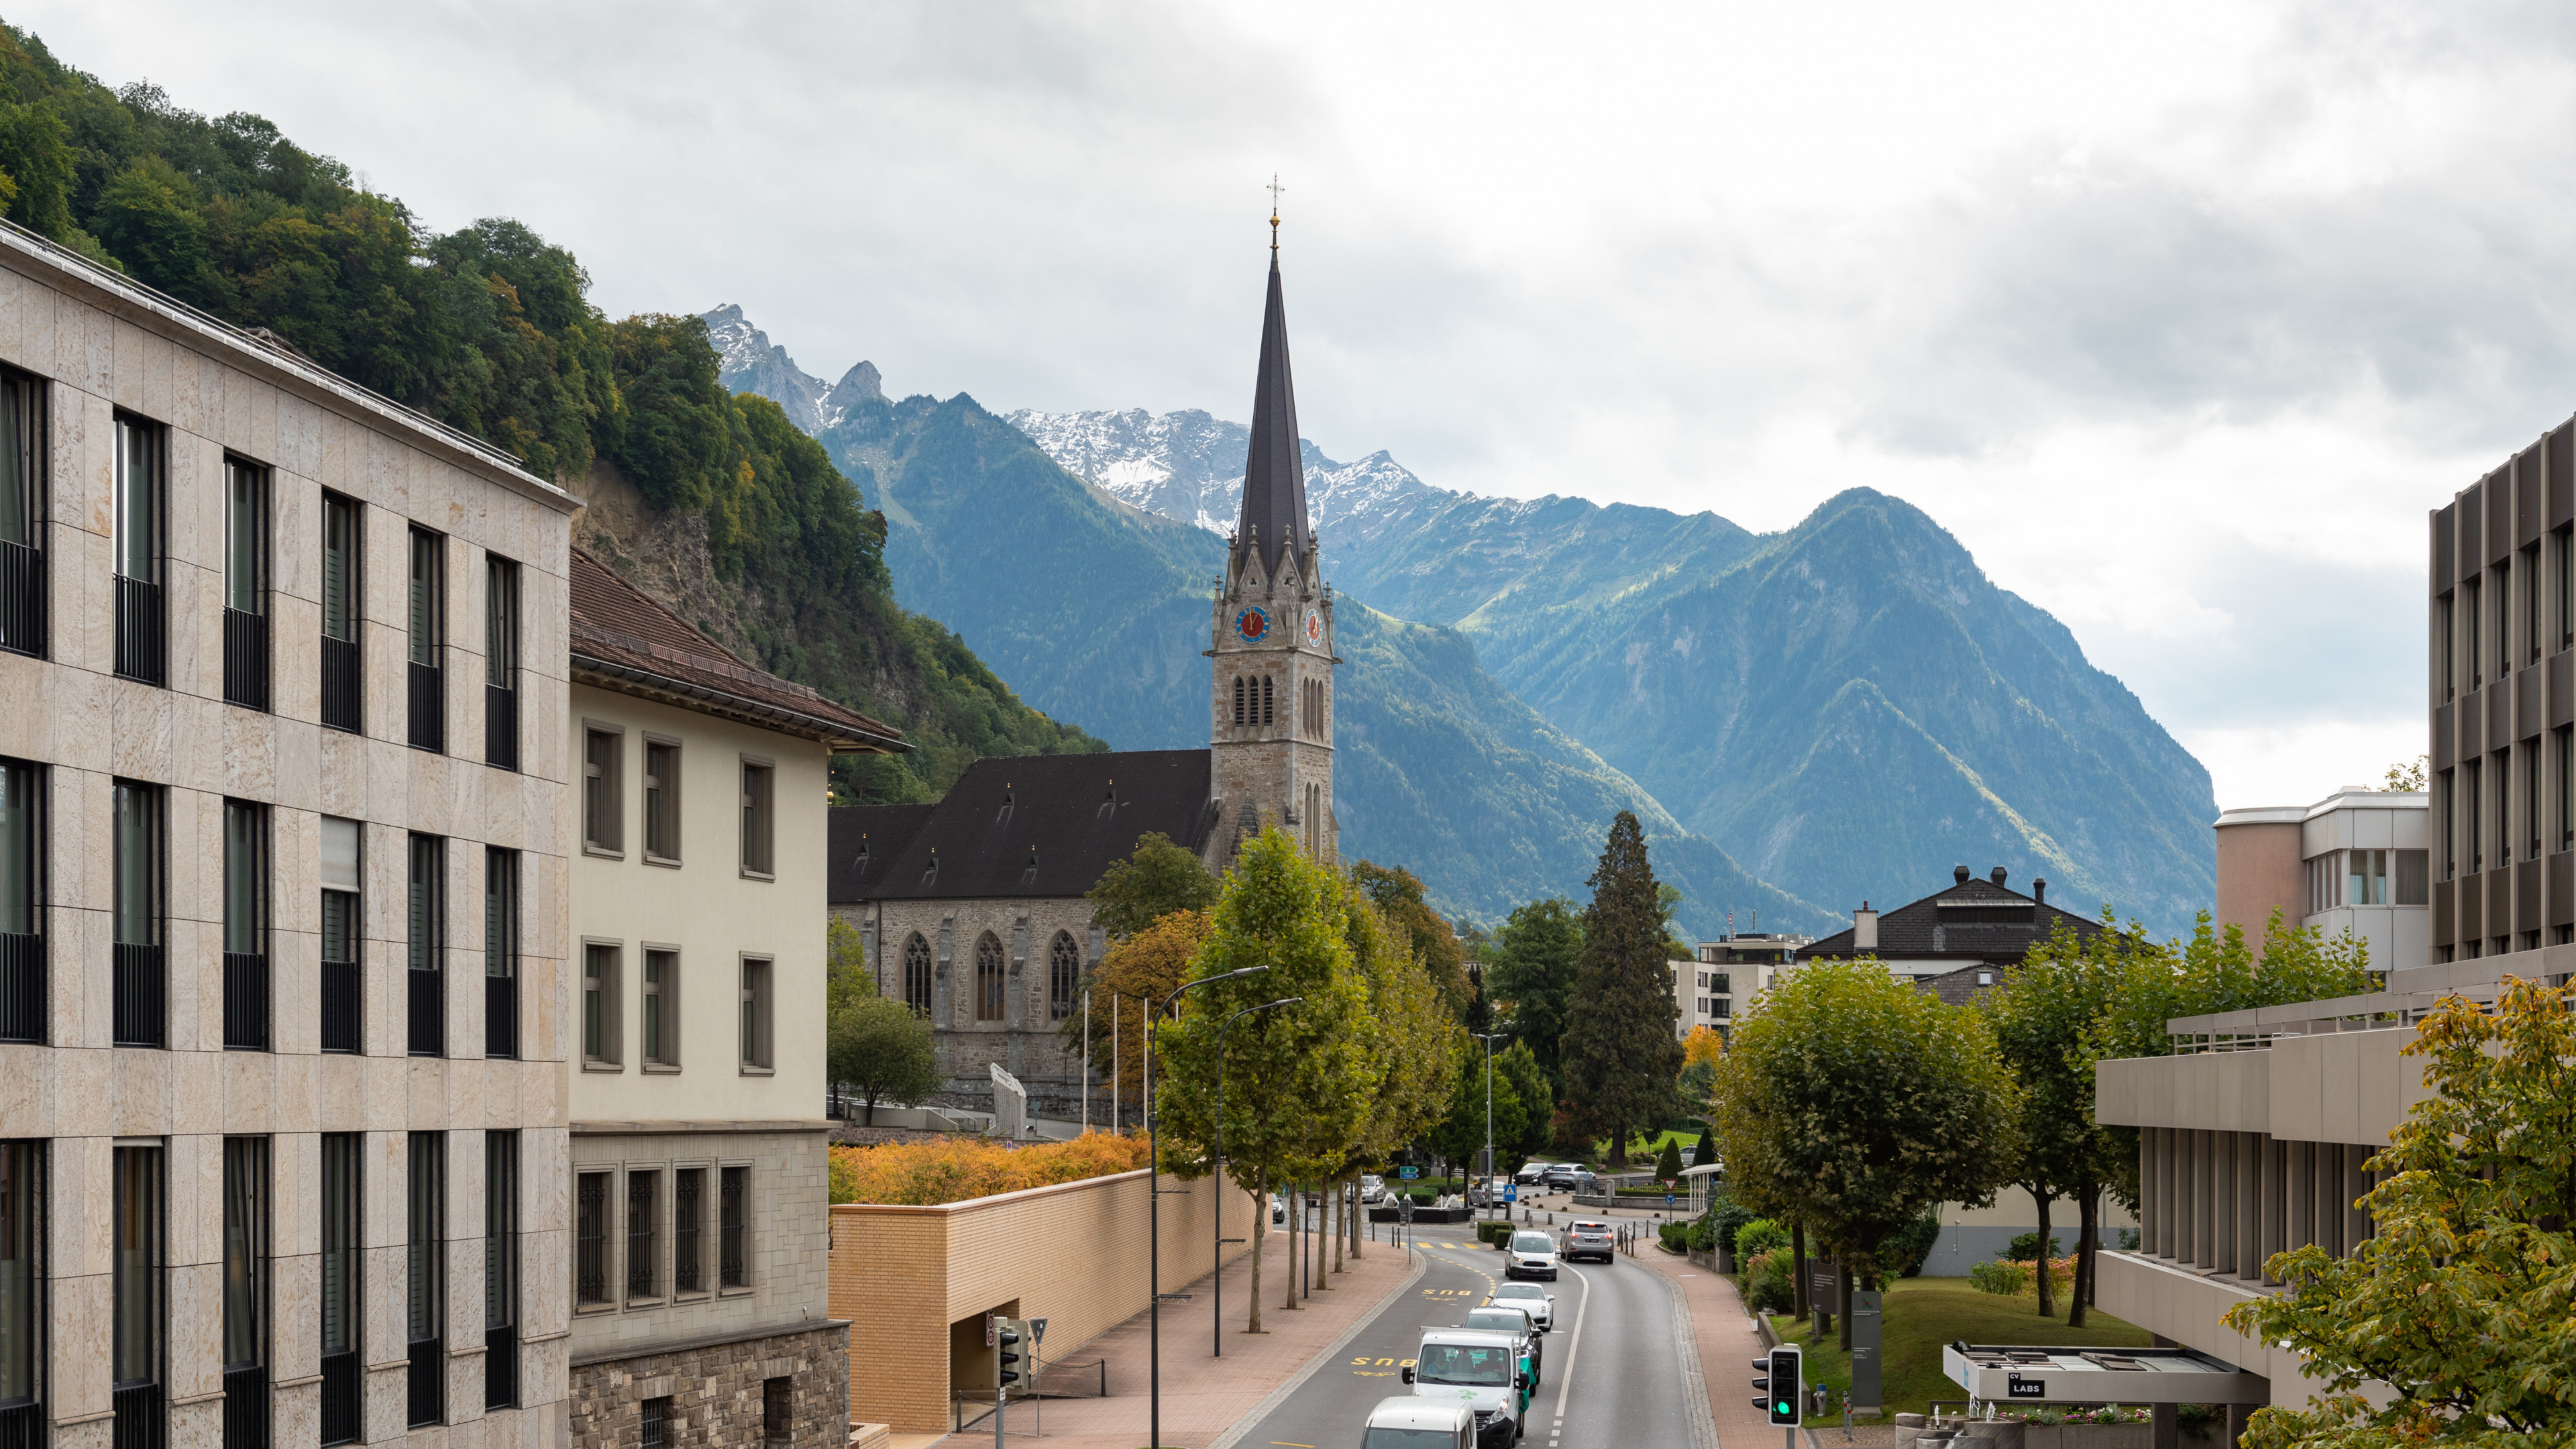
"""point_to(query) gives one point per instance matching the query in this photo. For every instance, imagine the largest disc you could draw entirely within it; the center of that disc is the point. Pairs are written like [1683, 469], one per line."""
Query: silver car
[1587, 1238]
[1529, 1297]
[1514, 1319]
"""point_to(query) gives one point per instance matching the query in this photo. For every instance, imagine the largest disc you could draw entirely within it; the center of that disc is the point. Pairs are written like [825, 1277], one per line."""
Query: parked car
[1487, 1192]
[1419, 1424]
[1565, 1176]
[1588, 1238]
[1515, 1320]
[1530, 1173]
[1537, 1301]
[1278, 1208]
[1532, 1254]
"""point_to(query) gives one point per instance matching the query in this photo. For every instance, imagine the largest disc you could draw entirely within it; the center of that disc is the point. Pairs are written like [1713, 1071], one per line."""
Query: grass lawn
[1642, 1151]
[1922, 1315]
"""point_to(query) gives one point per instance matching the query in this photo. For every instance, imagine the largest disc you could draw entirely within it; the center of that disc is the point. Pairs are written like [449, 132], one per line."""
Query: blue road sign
[1408, 1174]
[1511, 1192]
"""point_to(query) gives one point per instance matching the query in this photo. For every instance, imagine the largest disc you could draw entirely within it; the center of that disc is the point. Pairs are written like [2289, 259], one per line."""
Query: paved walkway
[1204, 1396]
[1727, 1347]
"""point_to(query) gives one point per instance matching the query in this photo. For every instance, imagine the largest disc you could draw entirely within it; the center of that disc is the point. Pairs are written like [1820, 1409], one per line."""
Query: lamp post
[1216, 1263]
[1487, 1037]
[1154, 1210]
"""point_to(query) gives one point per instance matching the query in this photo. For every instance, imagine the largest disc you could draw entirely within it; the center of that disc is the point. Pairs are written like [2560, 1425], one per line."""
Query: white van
[1419, 1424]
[1480, 1369]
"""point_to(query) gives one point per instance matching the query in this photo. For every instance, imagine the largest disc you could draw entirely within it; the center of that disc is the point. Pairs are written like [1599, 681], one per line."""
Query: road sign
[1037, 1326]
[1511, 1192]
[1408, 1174]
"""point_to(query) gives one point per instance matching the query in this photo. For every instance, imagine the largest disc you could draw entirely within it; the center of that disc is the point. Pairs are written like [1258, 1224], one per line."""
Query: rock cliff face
[752, 363]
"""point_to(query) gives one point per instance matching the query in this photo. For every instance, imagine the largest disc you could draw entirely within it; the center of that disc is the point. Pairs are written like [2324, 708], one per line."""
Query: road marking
[1574, 1343]
[1284, 1444]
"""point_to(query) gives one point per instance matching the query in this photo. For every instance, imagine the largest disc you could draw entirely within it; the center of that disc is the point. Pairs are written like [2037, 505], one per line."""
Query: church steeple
[1273, 519]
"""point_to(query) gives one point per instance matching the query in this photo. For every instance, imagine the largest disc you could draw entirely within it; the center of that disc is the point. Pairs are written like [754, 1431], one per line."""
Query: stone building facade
[281, 896]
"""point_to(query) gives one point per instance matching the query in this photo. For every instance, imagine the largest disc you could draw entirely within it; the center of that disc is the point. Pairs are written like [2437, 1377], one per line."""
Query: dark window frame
[24, 858]
[23, 432]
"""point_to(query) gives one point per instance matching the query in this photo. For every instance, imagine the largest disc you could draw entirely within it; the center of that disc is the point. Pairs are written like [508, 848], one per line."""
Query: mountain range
[1837, 712]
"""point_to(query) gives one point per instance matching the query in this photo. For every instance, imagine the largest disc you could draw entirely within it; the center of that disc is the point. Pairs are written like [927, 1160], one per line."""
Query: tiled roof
[1977, 919]
[1023, 826]
[1961, 987]
[624, 640]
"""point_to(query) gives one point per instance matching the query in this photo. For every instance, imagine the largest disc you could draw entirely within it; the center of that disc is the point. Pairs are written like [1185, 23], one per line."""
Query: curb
[1235, 1431]
[1694, 1383]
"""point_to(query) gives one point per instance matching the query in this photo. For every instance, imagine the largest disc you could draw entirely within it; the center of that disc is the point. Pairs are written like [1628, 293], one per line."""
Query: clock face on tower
[1315, 630]
[1253, 624]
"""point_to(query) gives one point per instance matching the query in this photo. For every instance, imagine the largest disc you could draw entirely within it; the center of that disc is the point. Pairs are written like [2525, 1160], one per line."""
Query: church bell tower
[1271, 690]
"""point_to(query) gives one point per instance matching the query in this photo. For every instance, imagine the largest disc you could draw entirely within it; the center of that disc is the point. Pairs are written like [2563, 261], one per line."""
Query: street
[1611, 1374]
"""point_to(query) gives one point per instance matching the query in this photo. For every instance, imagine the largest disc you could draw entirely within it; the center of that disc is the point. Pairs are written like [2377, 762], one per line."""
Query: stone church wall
[1024, 1041]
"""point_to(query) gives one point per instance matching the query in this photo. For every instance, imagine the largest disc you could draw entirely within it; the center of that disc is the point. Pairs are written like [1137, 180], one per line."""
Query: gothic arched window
[1064, 976]
[988, 978]
[916, 974]
[1238, 699]
[1265, 699]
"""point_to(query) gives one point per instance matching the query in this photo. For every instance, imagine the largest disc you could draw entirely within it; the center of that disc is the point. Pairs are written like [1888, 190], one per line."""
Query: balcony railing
[22, 1426]
[141, 1420]
[500, 1367]
[428, 708]
[246, 659]
[428, 1007]
[142, 631]
[246, 1408]
[140, 1010]
[339, 1397]
[22, 601]
[22, 991]
[427, 1379]
[340, 1006]
[500, 1016]
[500, 727]
[340, 683]
[245, 1001]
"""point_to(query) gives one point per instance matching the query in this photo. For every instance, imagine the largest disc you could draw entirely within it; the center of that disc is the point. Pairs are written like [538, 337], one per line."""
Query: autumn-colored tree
[2460, 1300]
[1701, 1051]
[1141, 968]
[1397, 893]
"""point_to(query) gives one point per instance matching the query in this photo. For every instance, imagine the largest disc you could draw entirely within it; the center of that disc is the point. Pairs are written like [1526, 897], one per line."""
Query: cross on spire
[1274, 188]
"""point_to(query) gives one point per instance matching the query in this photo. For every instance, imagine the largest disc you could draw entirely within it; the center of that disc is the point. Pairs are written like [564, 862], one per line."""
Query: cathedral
[973, 910]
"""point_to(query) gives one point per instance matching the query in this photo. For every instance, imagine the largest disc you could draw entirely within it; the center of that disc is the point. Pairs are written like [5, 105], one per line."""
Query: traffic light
[1783, 1384]
[1006, 1339]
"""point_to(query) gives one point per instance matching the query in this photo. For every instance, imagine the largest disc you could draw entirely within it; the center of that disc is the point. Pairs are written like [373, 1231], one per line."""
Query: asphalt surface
[1610, 1373]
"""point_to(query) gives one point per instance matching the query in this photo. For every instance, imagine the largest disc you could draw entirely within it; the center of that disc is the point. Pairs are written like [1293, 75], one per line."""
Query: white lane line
[1574, 1344]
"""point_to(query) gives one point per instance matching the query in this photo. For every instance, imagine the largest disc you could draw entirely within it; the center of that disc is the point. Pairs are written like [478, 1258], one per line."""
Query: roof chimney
[1996, 875]
[2038, 891]
[1959, 873]
[1864, 928]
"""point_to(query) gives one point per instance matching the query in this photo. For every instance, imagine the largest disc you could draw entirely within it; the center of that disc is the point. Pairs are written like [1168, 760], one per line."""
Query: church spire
[1274, 472]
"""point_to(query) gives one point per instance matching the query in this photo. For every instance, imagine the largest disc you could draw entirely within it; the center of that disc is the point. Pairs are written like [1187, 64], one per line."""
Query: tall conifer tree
[1620, 1058]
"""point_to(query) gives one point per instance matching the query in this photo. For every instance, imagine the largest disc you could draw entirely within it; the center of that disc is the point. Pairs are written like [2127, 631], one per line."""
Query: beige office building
[282, 1128]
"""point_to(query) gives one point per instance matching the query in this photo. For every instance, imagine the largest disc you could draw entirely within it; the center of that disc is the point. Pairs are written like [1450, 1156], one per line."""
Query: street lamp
[1487, 1037]
[1216, 1263]
[1154, 1209]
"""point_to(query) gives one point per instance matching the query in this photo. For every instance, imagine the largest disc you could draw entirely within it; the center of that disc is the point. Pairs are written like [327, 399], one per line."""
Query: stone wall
[716, 1392]
[1024, 1041]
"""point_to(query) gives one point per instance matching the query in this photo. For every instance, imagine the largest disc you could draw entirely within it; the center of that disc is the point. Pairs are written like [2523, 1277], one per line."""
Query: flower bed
[924, 1173]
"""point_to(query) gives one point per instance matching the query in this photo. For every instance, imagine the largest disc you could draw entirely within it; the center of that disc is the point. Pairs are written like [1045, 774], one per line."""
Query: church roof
[1021, 827]
[1976, 919]
[1274, 471]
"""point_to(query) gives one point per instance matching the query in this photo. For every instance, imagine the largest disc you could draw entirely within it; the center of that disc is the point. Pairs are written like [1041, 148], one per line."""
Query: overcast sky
[2178, 316]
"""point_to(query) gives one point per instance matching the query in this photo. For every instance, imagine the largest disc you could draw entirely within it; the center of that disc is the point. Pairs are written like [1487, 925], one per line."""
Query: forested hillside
[491, 329]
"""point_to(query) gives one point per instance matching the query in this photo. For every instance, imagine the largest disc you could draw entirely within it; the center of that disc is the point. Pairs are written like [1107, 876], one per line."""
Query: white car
[1536, 1301]
[1480, 1369]
[1419, 1424]
[1372, 1188]
[1531, 1255]
[1514, 1319]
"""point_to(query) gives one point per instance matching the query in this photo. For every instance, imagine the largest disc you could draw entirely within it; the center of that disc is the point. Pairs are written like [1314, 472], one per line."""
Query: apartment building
[1727, 971]
[2355, 862]
[2253, 1139]
[699, 1172]
[281, 1113]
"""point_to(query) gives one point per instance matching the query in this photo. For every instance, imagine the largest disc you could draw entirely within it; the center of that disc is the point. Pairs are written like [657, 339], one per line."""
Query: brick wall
[716, 1393]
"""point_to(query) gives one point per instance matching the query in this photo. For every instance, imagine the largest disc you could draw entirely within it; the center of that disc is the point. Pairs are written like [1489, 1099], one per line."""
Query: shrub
[1493, 1233]
[2001, 1276]
[1902, 1254]
[1757, 1237]
[1766, 1281]
[1701, 1236]
[1675, 1236]
[2025, 1246]
[925, 1173]
[1725, 1216]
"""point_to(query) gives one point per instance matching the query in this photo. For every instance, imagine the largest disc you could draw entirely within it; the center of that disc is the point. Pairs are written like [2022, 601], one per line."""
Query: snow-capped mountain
[749, 362]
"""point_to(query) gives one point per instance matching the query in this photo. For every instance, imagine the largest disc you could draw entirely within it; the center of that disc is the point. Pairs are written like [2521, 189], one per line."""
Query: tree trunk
[1358, 1219]
[1798, 1269]
[1342, 1224]
[1260, 1232]
[872, 1110]
[1296, 1209]
[2085, 1268]
[2040, 1192]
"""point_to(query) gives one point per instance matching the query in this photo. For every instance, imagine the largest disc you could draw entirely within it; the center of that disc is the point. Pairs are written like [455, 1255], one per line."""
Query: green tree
[1460, 1133]
[1534, 958]
[1156, 879]
[1297, 1078]
[1668, 900]
[879, 1050]
[1620, 1058]
[1518, 1065]
[1397, 893]
[1848, 1102]
[2459, 1300]
[2039, 1016]
[1668, 1163]
[1702, 1154]
[1417, 1038]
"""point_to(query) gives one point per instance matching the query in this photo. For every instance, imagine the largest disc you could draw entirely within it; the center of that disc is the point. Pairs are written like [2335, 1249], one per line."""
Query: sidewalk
[1728, 1346]
[1203, 1396]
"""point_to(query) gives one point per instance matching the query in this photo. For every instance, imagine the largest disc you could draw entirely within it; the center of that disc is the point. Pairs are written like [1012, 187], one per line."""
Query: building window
[661, 801]
[2565, 742]
[643, 1195]
[657, 1423]
[501, 663]
[590, 1239]
[22, 514]
[340, 1274]
[2504, 618]
[500, 952]
[733, 1228]
[1238, 699]
[427, 630]
[916, 974]
[141, 986]
[2411, 889]
[990, 978]
[1718, 982]
[755, 1014]
[661, 1008]
[1724, 1007]
[758, 797]
[245, 1327]
[22, 885]
[778, 1411]
[2366, 877]
[342, 677]
[599, 1006]
[136, 522]
[2531, 821]
[1266, 715]
[601, 812]
[341, 841]
[500, 1269]
[2473, 799]
[245, 926]
[688, 1234]
[426, 938]
[2503, 772]
[2469, 621]
[2531, 602]
[22, 1276]
[135, 1284]
[1064, 976]
[425, 1275]
[2562, 543]
[245, 584]
[2446, 638]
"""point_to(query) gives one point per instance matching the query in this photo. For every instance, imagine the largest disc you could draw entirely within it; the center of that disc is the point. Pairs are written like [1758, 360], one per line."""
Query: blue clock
[1253, 624]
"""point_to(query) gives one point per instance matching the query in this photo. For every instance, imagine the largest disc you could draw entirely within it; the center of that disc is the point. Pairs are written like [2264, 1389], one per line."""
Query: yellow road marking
[1284, 1444]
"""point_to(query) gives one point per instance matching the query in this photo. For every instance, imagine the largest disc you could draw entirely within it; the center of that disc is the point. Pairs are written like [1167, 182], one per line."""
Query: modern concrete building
[2355, 862]
[2254, 1136]
[281, 890]
[1727, 971]
[700, 1173]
